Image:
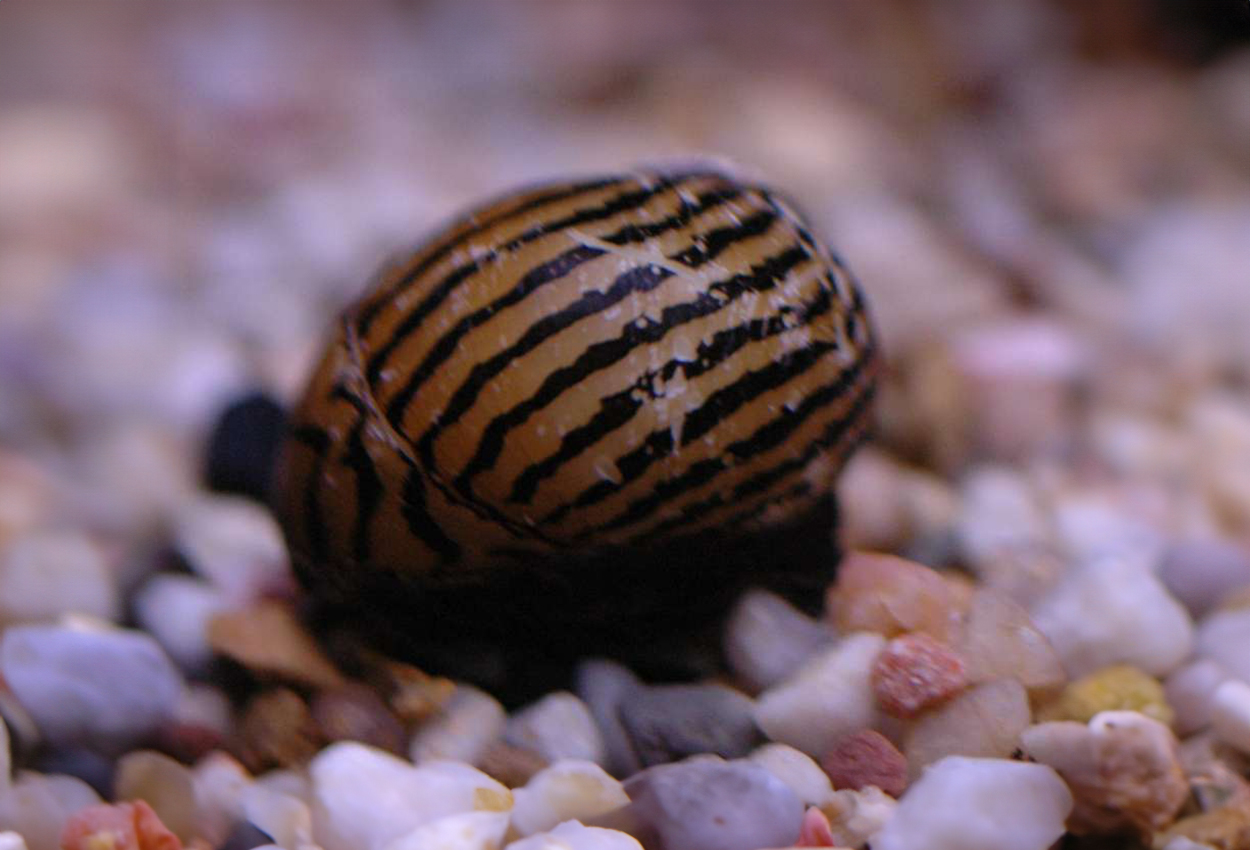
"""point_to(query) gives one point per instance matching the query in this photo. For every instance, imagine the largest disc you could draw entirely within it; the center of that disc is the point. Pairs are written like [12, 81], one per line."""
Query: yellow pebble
[1121, 687]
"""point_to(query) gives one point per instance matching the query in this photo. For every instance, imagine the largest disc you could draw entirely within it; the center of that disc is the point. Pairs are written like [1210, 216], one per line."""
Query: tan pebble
[269, 640]
[866, 759]
[998, 640]
[915, 672]
[511, 764]
[855, 816]
[417, 695]
[277, 730]
[1123, 769]
[1226, 828]
[891, 596]
[1120, 687]
[984, 721]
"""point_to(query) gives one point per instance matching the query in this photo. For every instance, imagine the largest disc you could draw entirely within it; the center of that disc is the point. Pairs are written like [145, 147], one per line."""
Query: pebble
[1202, 571]
[463, 730]
[767, 639]
[798, 770]
[558, 726]
[355, 712]
[277, 729]
[999, 640]
[286, 818]
[1123, 769]
[124, 826]
[983, 721]
[513, 766]
[125, 687]
[165, 785]
[1188, 691]
[1225, 828]
[464, 831]
[364, 798]
[89, 766]
[567, 790]
[236, 544]
[604, 686]
[856, 816]
[220, 783]
[1120, 687]
[1222, 638]
[705, 803]
[866, 759]
[979, 804]
[670, 722]
[268, 640]
[828, 697]
[176, 610]
[46, 574]
[890, 596]
[12, 841]
[576, 836]
[37, 807]
[1115, 611]
[416, 696]
[1230, 714]
[914, 673]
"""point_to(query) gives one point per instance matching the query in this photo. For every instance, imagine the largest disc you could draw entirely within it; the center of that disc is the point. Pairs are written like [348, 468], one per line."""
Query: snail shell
[601, 366]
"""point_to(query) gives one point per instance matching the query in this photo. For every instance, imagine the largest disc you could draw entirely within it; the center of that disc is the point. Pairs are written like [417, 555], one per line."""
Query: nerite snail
[602, 396]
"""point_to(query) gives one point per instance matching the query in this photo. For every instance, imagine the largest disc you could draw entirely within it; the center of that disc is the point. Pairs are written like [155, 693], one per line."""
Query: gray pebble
[670, 722]
[767, 638]
[604, 685]
[705, 803]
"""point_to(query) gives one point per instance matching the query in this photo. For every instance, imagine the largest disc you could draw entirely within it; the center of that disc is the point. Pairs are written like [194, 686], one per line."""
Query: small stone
[914, 673]
[1122, 767]
[856, 816]
[605, 686]
[866, 759]
[124, 685]
[176, 610]
[1230, 714]
[1115, 611]
[1226, 828]
[890, 596]
[243, 445]
[815, 831]
[513, 766]
[91, 767]
[355, 712]
[38, 807]
[163, 784]
[705, 803]
[277, 729]
[463, 730]
[236, 544]
[268, 640]
[828, 697]
[220, 783]
[798, 770]
[669, 722]
[767, 639]
[417, 696]
[567, 790]
[558, 726]
[47, 574]
[363, 797]
[124, 826]
[575, 836]
[464, 831]
[999, 640]
[1222, 637]
[286, 818]
[979, 804]
[1202, 571]
[1120, 687]
[12, 841]
[984, 721]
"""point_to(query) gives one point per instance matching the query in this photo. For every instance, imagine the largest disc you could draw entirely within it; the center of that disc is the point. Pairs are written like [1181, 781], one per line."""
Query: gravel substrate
[1040, 634]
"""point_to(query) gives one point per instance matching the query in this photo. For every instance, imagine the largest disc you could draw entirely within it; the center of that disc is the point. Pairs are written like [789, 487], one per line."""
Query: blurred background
[190, 191]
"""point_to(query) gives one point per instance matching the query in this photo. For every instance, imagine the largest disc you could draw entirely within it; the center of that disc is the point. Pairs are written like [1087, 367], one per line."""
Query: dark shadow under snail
[581, 418]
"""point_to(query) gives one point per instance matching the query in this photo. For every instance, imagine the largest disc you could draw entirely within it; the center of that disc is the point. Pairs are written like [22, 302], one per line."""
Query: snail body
[577, 379]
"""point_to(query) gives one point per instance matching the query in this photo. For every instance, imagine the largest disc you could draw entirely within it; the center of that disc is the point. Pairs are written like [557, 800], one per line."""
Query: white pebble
[1115, 611]
[465, 831]
[102, 687]
[767, 639]
[1223, 638]
[574, 836]
[797, 769]
[235, 544]
[856, 816]
[466, 726]
[220, 783]
[176, 610]
[566, 790]
[283, 817]
[12, 841]
[38, 806]
[979, 804]
[1188, 690]
[558, 726]
[364, 798]
[828, 697]
[48, 574]
[1230, 714]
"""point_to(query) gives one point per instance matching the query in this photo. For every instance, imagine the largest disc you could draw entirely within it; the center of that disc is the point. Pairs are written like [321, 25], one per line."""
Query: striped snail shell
[572, 374]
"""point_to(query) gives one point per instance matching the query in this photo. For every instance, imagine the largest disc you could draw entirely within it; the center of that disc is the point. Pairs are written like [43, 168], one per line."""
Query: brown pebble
[188, 742]
[866, 758]
[512, 765]
[915, 672]
[277, 730]
[1226, 828]
[355, 712]
[417, 696]
[270, 641]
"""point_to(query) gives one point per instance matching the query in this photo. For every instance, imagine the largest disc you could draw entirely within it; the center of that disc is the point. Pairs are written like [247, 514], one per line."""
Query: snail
[605, 398]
